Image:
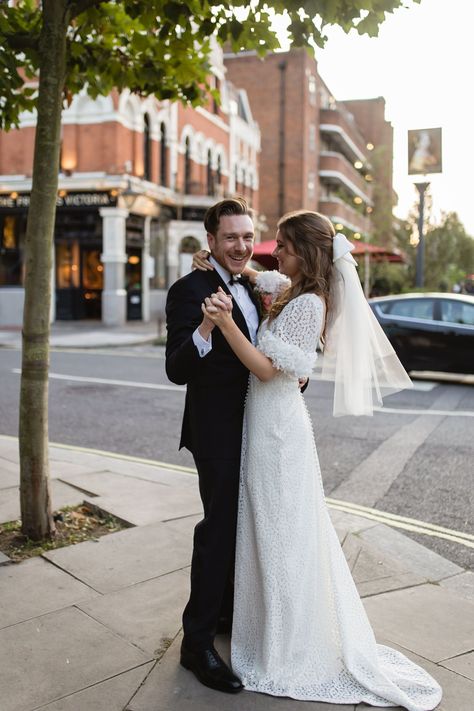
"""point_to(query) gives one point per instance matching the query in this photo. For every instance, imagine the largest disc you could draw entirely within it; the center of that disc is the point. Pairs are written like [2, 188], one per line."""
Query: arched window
[187, 166]
[188, 246]
[146, 148]
[163, 156]
[210, 177]
[219, 170]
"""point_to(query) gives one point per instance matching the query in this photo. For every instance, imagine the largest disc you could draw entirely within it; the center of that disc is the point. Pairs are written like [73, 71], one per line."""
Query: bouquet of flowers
[268, 286]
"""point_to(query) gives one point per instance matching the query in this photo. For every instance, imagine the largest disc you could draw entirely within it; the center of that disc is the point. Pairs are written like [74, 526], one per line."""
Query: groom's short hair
[231, 206]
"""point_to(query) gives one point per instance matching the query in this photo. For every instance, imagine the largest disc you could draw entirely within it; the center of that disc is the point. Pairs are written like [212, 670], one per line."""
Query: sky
[422, 63]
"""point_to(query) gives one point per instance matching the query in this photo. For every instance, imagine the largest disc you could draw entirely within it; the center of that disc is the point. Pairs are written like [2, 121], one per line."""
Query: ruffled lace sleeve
[271, 283]
[292, 338]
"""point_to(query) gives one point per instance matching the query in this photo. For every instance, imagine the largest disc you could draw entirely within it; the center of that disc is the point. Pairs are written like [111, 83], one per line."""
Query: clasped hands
[218, 308]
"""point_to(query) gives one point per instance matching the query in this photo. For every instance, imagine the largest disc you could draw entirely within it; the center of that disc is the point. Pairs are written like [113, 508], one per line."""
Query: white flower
[271, 282]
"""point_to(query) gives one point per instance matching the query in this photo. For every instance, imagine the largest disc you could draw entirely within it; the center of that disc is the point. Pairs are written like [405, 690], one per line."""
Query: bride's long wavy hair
[311, 238]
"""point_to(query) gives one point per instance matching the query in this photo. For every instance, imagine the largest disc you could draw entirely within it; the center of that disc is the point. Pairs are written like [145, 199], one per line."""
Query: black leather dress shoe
[210, 669]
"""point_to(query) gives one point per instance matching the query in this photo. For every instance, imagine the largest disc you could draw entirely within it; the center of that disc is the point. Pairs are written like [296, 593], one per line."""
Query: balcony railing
[344, 131]
[339, 211]
[335, 169]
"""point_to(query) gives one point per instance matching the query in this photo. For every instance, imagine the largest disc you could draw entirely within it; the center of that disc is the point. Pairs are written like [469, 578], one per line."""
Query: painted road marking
[182, 388]
[106, 381]
[408, 411]
[408, 524]
[389, 519]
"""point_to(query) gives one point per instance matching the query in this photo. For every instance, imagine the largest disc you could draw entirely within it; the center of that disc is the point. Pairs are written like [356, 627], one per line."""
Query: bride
[300, 629]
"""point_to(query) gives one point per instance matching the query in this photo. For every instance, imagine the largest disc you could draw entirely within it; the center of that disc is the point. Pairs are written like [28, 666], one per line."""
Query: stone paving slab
[35, 587]
[415, 557]
[147, 614]
[423, 620]
[61, 470]
[65, 454]
[169, 687]
[346, 523]
[4, 559]
[9, 473]
[373, 571]
[10, 449]
[127, 557]
[462, 584]
[61, 495]
[147, 472]
[110, 695]
[51, 656]
[95, 461]
[185, 526]
[138, 501]
[458, 692]
[463, 665]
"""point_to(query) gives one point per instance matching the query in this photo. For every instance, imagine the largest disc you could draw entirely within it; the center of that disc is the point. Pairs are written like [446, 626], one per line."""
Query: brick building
[316, 152]
[136, 177]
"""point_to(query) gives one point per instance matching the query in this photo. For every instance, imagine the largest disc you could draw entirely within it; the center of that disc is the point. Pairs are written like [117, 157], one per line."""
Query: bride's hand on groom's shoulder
[201, 261]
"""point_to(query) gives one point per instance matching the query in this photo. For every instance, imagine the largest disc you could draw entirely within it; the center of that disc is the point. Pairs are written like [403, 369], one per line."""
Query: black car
[429, 331]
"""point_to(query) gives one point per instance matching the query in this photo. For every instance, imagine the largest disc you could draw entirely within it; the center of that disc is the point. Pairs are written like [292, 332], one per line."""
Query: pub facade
[135, 179]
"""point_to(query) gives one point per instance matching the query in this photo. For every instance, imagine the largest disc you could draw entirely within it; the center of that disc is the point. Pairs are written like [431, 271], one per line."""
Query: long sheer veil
[357, 355]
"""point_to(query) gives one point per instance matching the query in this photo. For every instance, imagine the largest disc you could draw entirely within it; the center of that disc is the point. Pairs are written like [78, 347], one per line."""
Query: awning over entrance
[262, 254]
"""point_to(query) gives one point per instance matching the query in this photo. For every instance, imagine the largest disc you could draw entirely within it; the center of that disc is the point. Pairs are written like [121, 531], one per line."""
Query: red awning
[266, 247]
[263, 250]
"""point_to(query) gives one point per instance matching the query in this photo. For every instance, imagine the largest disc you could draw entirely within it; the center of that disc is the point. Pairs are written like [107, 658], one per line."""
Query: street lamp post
[420, 252]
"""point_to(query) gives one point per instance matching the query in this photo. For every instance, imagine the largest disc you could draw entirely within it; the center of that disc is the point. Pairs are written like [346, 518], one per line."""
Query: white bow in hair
[341, 248]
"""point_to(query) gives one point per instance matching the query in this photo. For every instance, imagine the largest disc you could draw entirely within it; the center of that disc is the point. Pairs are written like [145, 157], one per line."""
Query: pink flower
[267, 300]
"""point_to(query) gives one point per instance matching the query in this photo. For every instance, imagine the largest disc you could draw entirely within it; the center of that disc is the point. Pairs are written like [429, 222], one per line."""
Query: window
[311, 185]
[209, 174]
[146, 148]
[324, 98]
[219, 170]
[158, 242]
[11, 259]
[163, 156]
[67, 264]
[187, 167]
[215, 103]
[189, 245]
[312, 89]
[412, 308]
[457, 312]
[312, 137]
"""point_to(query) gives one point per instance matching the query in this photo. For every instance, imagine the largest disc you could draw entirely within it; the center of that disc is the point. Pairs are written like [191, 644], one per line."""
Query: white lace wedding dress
[300, 629]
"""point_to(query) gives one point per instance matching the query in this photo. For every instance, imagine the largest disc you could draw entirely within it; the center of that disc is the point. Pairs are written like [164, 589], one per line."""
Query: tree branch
[76, 7]
[19, 41]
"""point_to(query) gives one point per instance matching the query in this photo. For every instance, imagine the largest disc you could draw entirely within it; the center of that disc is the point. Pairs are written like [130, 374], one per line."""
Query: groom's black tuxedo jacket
[216, 383]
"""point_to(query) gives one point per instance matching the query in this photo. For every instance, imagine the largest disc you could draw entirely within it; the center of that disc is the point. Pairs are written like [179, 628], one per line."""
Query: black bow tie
[238, 279]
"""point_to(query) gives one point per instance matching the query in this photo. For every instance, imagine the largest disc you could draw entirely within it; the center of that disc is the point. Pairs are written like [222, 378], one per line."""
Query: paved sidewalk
[96, 626]
[90, 334]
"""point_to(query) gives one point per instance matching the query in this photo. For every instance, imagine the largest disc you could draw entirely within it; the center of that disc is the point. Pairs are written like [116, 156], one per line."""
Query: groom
[199, 357]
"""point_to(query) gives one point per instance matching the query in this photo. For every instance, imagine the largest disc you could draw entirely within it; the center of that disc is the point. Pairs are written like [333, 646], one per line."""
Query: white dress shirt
[245, 304]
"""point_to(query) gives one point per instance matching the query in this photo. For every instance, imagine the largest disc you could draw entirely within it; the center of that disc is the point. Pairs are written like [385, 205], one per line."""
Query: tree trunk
[35, 499]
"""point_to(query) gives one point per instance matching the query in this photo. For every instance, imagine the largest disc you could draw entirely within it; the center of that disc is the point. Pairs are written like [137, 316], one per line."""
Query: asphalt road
[417, 461]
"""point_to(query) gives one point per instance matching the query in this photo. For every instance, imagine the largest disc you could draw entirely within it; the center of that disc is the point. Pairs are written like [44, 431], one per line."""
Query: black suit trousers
[213, 558]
